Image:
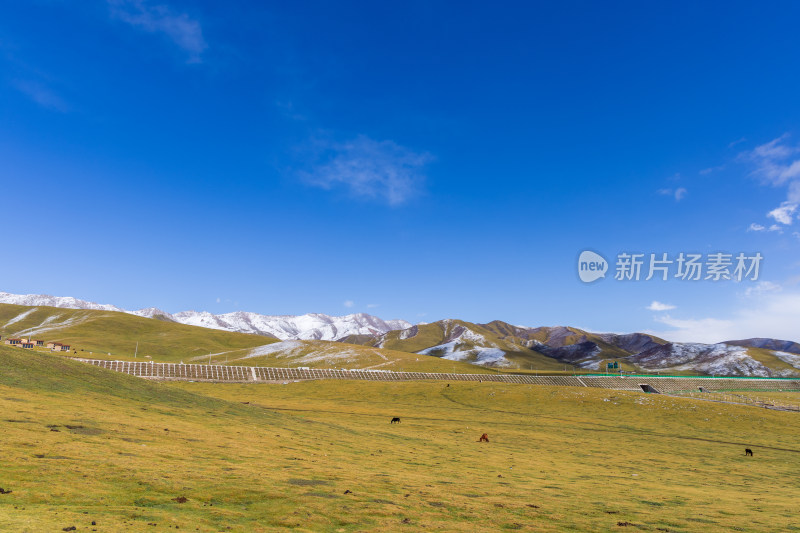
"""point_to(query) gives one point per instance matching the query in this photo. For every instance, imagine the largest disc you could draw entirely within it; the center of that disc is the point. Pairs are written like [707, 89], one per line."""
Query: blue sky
[416, 160]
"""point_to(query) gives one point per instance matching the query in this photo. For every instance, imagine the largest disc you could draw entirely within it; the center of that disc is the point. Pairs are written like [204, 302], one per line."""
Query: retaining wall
[226, 373]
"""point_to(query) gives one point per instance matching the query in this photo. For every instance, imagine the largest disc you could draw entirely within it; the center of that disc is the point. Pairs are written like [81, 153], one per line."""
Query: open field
[558, 459]
[783, 400]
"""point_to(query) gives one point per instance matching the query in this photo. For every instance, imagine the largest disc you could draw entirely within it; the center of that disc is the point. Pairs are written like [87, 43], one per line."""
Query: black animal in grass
[748, 451]
[395, 419]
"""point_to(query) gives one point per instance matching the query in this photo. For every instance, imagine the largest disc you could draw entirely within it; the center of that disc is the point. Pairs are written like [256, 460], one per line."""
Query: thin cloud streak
[41, 94]
[759, 228]
[678, 194]
[178, 27]
[375, 170]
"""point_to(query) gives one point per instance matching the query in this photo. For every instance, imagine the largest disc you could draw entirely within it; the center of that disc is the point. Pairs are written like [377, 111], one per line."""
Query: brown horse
[748, 451]
[395, 419]
[484, 438]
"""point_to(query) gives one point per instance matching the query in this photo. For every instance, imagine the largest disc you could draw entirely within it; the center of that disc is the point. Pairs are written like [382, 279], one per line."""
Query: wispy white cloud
[372, 306]
[658, 306]
[759, 227]
[709, 170]
[41, 94]
[737, 141]
[762, 287]
[770, 159]
[376, 170]
[784, 214]
[678, 194]
[766, 311]
[777, 163]
[348, 303]
[181, 29]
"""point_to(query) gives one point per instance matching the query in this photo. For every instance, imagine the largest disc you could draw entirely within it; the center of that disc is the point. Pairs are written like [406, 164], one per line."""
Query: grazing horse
[395, 419]
[748, 451]
[484, 438]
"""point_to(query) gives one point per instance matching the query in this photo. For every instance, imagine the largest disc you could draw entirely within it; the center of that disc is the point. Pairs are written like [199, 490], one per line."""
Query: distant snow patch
[277, 347]
[49, 324]
[590, 365]
[302, 352]
[21, 316]
[790, 358]
[408, 333]
[476, 355]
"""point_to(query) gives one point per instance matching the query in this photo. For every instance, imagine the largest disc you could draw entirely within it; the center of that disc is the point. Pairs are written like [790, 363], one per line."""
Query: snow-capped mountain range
[313, 326]
[496, 344]
[67, 302]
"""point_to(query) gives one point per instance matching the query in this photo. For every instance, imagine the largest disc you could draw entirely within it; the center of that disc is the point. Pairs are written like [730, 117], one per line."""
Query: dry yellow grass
[559, 459]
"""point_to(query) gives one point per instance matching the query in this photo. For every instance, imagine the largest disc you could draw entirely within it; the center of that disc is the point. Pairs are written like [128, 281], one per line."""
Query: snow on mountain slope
[307, 353]
[152, 312]
[19, 317]
[493, 344]
[714, 359]
[463, 344]
[284, 327]
[49, 324]
[455, 351]
[66, 302]
[769, 344]
[789, 358]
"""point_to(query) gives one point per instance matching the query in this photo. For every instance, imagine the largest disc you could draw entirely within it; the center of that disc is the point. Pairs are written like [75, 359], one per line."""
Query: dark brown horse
[748, 451]
[395, 419]
[484, 438]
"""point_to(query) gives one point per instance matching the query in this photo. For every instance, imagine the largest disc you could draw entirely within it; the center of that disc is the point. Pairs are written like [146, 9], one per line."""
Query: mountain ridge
[502, 345]
[493, 344]
[310, 326]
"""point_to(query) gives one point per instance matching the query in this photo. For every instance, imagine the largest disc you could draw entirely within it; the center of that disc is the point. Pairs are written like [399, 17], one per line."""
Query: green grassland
[256, 457]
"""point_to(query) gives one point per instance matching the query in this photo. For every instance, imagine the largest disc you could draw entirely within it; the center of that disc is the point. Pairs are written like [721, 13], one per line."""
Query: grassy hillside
[326, 354]
[549, 349]
[322, 456]
[102, 332]
[770, 360]
[519, 344]
[437, 333]
[111, 335]
[557, 337]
